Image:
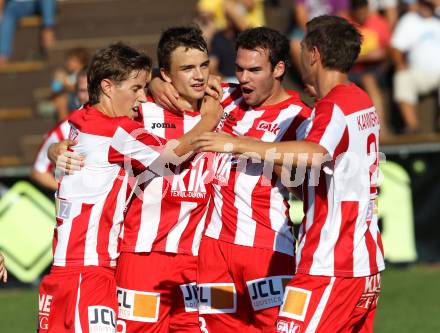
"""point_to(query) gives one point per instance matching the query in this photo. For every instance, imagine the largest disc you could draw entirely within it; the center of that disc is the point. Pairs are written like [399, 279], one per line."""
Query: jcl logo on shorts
[267, 292]
[189, 292]
[44, 302]
[101, 319]
[295, 303]
[138, 305]
[217, 298]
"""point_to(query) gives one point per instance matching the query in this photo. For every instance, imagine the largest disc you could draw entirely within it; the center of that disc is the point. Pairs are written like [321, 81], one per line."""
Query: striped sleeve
[328, 126]
[134, 147]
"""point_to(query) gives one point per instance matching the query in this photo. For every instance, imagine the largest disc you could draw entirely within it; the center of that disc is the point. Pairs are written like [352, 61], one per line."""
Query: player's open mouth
[247, 91]
[135, 110]
[198, 87]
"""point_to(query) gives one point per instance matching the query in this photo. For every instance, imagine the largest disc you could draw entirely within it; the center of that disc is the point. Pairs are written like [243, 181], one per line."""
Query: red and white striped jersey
[249, 205]
[91, 202]
[59, 133]
[169, 215]
[339, 235]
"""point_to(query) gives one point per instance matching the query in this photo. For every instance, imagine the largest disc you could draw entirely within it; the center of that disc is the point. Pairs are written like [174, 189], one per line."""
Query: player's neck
[105, 108]
[328, 79]
[188, 104]
[278, 95]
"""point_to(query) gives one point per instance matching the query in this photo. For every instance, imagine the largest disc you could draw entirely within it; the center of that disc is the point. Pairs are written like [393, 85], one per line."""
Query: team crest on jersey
[217, 298]
[267, 292]
[101, 319]
[138, 305]
[73, 133]
[190, 298]
[295, 303]
[268, 127]
[287, 327]
[44, 303]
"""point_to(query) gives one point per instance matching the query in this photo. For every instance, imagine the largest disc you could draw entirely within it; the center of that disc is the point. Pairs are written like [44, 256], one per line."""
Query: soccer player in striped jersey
[340, 253]
[79, 294]
[163, 227]
[246, 255]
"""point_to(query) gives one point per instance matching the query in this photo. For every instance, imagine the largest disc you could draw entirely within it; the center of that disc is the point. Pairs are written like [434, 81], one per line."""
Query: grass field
[410, 303]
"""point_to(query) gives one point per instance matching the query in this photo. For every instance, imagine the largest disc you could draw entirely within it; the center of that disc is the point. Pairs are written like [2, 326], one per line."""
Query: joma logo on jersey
[162, 125]
[44, 302]
[267, 292]
[138, 305]
[268, 127]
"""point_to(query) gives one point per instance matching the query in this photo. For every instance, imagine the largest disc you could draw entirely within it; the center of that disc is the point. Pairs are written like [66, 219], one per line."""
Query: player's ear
[315, 55]
[165, 75]
[107, 87]
[279, 69]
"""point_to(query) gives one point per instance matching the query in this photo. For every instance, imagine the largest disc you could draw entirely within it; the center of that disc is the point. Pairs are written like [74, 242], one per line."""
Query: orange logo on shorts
[295, 303]
[138, 305]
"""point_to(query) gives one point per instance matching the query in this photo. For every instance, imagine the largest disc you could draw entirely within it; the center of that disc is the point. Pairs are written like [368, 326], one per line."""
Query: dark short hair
[266, 39]
[337, 40]
[190, 37]
[115, 63]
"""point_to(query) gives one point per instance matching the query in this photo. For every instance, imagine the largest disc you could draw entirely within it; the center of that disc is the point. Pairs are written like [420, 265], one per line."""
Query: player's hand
[211, 109]
[66, 161]
[219, 142]
[214, 87]
[3, 271]
[165, 95]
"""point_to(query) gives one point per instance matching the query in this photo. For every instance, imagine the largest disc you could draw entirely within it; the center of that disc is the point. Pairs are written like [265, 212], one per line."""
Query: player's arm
[45, 179]
[3, 271]
[289, 152]
[137, 148]
[65, 160]
[42, 169]
[317, 148]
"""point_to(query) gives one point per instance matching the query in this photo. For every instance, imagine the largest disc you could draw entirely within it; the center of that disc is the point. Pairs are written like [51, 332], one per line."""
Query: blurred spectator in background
[3, 271]
[64, 96]
[389, 8]
[42, 170]
[216, 15]
[222, 52]
[305, 10]
[416, 56]
[13, 10]
[370, 66]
